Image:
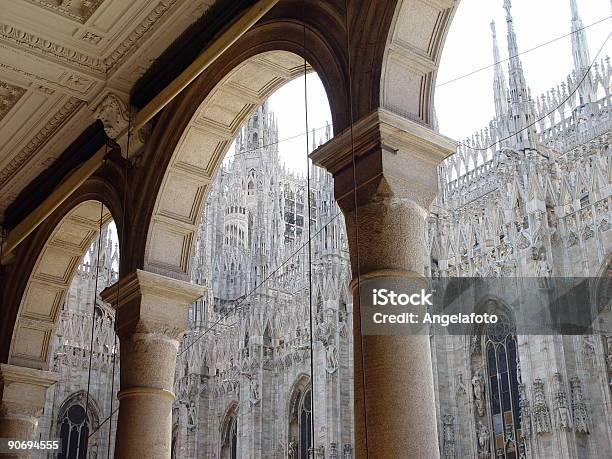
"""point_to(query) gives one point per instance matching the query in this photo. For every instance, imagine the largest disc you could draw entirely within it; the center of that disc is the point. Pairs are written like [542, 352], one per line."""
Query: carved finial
[507, 7]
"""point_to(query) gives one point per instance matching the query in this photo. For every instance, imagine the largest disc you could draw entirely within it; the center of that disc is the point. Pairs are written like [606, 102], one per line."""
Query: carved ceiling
[59, 59]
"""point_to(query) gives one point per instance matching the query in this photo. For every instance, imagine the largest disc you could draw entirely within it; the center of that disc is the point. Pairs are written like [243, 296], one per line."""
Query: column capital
[24, 390]
[147, 302]
[393, 155]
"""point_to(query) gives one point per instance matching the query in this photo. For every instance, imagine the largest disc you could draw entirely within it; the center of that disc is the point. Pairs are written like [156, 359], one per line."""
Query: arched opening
[49, 283]
[254, 231]
[77, 417]
[229, 434]
[64, 326]
[300, 442]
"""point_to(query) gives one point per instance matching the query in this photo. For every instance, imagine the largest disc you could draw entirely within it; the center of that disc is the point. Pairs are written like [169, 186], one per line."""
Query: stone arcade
[125, 110]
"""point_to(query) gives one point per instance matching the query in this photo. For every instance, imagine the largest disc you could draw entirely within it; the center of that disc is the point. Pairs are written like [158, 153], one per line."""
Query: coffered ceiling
[59, 59]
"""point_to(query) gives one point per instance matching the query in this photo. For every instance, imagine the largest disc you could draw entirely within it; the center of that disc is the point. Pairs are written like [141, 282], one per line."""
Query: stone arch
[228, 433]
[199, 152]
[45, 288]
[301, 384]
[81, 397]
[411, 57]
[300, 388]
[90, 411]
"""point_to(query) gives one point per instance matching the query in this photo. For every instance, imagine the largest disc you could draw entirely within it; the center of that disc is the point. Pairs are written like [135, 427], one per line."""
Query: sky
[466, 105]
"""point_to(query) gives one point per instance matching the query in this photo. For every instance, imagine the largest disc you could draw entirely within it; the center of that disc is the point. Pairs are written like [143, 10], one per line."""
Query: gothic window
[299, 441]
[74, 431]
[250, 188]
[502, 374]
[255, 138]
[229, 435]
[305, 421]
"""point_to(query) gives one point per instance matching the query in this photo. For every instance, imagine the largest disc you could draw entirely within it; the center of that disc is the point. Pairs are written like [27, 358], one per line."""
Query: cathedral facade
[266, 369]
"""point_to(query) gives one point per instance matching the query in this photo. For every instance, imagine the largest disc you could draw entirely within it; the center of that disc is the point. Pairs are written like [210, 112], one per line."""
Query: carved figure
[478, 390]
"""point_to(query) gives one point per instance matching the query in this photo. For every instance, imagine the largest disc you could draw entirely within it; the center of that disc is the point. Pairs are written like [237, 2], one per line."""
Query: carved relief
[78, 10]
[113, 114]
[478, 390]
[448, 432]
[525, 413]
[560, 403]
[484, 440]
[9, 96]
[579, 408]
[325, 333]
[541, 413]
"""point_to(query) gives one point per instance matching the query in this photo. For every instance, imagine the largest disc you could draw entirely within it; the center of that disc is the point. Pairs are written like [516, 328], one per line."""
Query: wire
[95, 300]
[521, 53]
[311, 322]
[356, 223]
[568, 97]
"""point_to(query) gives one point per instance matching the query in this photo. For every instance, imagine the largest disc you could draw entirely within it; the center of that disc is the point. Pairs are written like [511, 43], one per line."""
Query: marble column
[385, 198]
[23, 393]
[152, 313]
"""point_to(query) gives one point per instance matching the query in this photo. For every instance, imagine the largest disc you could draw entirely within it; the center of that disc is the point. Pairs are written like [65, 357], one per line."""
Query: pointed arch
[228, 431]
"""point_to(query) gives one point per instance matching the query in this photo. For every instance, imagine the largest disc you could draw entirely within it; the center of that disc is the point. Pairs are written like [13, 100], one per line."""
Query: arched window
[74, 432]
[229, 434]
[299, 441]
[305, 422]
[502, 377]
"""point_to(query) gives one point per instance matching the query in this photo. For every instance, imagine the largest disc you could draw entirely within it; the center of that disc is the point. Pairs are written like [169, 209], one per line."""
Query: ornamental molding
[37, 78]
[50, 128]
[48, 48]
[146, 27]
[106, 66]
[81, 13]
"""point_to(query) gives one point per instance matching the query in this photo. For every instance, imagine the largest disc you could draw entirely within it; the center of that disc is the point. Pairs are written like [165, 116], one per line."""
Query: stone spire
[521, 114]
[500, 89]
[580, 53]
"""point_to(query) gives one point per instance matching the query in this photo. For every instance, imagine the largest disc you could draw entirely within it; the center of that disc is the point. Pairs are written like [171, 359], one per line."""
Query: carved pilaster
[448, 435]
[579, 407]
[541, 413]
[561, 405]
